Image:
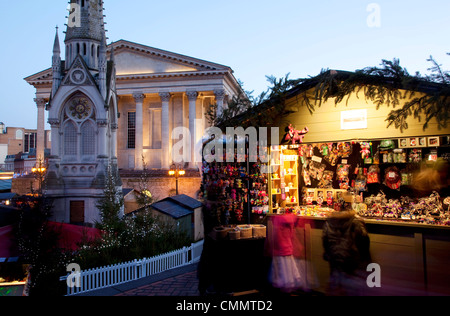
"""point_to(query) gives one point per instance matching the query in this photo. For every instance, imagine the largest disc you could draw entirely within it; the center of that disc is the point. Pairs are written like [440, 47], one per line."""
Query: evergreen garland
[422, 97]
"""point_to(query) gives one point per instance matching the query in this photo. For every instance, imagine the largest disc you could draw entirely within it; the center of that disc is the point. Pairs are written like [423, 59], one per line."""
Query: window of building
[156, 129]
[131, 130]
[29, 142]
[88, 139]
[70, 139]
[19, 134]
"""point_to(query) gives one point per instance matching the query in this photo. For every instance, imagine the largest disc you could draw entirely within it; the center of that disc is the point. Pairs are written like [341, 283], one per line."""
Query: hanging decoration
[294, 136]
[392, 178]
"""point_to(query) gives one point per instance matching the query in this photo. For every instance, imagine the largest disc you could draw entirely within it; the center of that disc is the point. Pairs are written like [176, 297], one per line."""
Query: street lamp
[39, 172]
[176, 171]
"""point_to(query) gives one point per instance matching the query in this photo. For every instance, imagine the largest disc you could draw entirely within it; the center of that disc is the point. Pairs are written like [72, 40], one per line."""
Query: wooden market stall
[348, 157]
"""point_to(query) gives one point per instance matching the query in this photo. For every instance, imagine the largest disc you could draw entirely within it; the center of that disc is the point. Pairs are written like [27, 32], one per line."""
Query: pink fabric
[7, 245]
[70, 236]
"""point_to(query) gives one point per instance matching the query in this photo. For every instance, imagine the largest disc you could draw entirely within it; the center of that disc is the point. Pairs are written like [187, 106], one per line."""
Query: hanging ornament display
[373, 175]
[294, 136]
[365, 149]
[392, 178]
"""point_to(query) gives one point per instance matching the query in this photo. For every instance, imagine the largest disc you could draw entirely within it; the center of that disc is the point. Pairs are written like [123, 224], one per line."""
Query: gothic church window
[70, 139]
[88, 139]
[79, 128]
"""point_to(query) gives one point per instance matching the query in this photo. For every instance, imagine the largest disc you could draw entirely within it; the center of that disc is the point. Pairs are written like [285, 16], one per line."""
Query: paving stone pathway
[181, 285]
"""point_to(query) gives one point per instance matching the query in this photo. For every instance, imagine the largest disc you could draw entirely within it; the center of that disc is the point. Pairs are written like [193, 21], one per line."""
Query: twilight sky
[254, 37]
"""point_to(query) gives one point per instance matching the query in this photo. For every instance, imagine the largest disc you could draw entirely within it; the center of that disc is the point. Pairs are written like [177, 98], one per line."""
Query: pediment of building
[137, 59]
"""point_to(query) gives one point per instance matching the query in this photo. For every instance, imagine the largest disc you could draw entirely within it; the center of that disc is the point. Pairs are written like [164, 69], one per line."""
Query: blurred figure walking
[347, 249]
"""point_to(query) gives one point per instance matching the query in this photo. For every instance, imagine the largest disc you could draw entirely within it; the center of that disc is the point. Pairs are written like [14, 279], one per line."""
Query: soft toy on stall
[294, 136]
[333, 155]
[233, 194]
[365, 149]
[345, 149]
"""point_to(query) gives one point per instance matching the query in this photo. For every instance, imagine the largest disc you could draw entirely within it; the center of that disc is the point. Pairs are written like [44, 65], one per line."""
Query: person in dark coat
[347, 249]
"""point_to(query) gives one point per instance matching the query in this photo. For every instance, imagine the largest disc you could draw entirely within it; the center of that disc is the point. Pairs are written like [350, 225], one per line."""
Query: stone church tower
[83, 116]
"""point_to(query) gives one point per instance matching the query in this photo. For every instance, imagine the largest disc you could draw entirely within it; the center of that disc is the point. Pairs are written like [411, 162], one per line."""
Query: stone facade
[162, 187]
[141, 96]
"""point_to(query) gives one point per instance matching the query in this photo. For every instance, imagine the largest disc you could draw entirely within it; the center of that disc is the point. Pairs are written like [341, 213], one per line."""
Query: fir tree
[111, 204]
[144, 197]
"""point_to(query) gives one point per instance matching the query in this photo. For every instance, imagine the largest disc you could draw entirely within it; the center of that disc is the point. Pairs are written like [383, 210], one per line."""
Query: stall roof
[7, 196]
[126, 191]
[5, 185]
[301, 85]
[176, 206]
[186, 201]
[172, 209]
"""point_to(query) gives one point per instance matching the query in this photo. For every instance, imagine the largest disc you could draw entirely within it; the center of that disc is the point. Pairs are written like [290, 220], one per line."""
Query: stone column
[102, 129]
[192, 96]
[220, 97]
[55, 124]
[40, 146]
[114, 129]
[166, 158]
[139, 99]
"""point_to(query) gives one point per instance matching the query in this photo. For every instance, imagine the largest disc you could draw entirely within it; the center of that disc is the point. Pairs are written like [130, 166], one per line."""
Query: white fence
[100, 278]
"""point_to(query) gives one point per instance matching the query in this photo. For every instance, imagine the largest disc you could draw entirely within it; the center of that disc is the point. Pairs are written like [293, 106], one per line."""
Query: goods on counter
[246, 231]
[259, 231]
[221, 232]
[315, 211]
[234, 232]
[428, 210]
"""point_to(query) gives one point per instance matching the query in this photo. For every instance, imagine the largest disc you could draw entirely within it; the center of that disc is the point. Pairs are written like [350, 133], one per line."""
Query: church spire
[56, 47]
[56, 64]
[85, 30]
[102, 67]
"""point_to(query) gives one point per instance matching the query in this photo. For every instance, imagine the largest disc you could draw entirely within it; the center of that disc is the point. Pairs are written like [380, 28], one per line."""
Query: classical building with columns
[159, 91]
[118, 105]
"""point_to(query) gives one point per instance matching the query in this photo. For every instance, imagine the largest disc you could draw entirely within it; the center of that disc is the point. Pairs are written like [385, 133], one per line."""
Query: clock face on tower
[79, 108]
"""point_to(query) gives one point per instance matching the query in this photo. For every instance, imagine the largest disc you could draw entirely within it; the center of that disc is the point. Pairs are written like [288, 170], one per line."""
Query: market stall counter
[413, 257]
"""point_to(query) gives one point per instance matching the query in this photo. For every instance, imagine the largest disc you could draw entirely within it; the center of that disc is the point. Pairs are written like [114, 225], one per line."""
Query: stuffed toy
[365, 149]
[294, 136]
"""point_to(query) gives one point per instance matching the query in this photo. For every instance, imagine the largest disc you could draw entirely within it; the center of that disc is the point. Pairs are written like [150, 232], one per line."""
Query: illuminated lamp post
[39, 173]
[176, 172]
